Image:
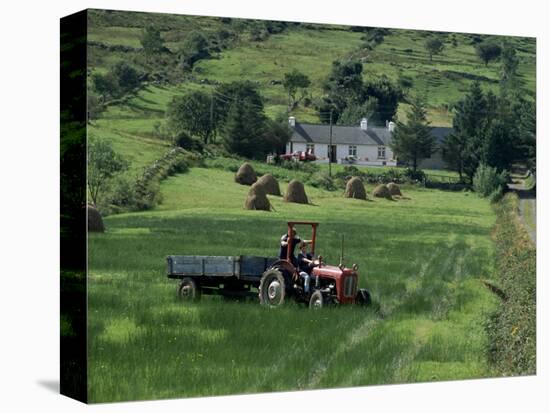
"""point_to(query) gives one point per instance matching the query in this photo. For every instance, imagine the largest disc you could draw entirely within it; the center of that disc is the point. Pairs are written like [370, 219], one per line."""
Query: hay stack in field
[394, 189]
[355, 189]
[95, 222]
[382, 191]
[270, 184]
[296, 193]
[246, 175]
[257, 198]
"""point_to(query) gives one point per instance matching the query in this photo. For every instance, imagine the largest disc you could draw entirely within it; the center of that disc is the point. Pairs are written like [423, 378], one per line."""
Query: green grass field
[422, 258]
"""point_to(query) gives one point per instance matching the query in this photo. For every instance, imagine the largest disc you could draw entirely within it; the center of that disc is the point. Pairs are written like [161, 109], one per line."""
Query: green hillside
[310, 49]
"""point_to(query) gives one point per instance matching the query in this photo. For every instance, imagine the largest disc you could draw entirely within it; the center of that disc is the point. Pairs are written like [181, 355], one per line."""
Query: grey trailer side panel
[201, 265]
[254, 266]
[246, 267]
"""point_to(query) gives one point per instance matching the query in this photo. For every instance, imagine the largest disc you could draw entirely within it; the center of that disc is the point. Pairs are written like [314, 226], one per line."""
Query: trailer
[230, 276]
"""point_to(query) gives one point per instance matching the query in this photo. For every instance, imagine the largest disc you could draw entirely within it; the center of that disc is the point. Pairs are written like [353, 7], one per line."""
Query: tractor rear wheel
[272, 288]
[188, 290]
[316, 300]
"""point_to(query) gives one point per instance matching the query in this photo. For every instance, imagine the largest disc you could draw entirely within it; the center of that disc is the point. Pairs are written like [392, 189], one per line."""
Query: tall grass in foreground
[512, 329]
[422, 258]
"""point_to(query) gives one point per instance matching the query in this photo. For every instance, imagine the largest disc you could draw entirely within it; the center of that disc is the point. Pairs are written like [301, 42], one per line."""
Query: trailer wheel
[188, 290]
[363, 297]
[272, 288]
[316, 300]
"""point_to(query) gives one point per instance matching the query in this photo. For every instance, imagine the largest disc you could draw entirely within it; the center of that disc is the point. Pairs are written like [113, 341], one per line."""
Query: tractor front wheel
[363, 297]
[317, 300]
[272, 288]
[188, 290]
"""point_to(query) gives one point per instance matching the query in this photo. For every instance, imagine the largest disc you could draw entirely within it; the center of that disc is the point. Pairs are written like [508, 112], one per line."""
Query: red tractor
[331, 284]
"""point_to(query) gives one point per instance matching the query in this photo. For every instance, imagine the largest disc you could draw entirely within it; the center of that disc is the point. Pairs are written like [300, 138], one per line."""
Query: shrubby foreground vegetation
[512, 327]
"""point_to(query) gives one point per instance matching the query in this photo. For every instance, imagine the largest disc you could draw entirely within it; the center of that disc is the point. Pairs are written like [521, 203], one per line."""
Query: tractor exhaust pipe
[342, 253]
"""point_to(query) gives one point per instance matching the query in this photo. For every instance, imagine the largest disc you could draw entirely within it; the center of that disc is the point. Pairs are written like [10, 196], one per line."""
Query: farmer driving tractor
[294, 240]
[305, 265]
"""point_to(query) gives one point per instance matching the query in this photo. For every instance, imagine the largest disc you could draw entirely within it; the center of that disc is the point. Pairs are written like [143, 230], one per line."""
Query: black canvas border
[73, 231]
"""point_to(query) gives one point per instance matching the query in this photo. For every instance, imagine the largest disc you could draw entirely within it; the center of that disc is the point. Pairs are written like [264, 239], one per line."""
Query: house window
[352, 150]
[310, 148]
[381, 152]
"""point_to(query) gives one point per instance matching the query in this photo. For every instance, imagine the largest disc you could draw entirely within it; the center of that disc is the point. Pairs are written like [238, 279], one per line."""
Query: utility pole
[330, 146]
[212, 114]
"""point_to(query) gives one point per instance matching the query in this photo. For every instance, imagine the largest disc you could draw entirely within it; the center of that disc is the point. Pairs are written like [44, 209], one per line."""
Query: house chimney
[364, 124]
[391, 126]
[292, 121]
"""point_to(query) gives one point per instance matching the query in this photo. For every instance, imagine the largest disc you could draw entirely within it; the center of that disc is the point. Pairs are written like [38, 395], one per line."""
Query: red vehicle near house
[302, 156]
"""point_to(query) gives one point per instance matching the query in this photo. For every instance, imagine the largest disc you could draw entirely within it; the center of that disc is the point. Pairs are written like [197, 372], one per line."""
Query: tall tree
[454, 152]
[103, 164]
[126, 75]
[472, 117]
[526, 117]
[276, 135]
[387, 95]
[434, 45]
[374, 37]
[345, 81]
[353, 113]
[151, 41]
[239, 91]
[488, 50]
[193, 113]
[194, 47]
[293, 82]
[412, 141]
[243, 129]
[509, 80]
[499, 150]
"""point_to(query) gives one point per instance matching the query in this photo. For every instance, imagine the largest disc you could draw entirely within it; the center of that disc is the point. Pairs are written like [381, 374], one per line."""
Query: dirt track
[527, 206]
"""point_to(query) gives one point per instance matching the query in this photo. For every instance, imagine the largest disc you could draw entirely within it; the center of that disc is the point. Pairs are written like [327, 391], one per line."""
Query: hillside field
[311, 49]
[422, 258]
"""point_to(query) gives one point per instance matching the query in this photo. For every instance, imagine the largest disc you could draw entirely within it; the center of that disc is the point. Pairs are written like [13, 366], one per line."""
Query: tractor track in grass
[356, 336]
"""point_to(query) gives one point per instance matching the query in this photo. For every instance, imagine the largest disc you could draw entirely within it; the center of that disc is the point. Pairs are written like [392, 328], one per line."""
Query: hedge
[512, 327]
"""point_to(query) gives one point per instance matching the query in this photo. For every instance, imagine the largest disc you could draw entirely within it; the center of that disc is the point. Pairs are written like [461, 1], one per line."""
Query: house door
[332, 153]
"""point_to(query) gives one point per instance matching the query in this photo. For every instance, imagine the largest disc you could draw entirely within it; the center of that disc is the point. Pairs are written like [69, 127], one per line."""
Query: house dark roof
[351, 135]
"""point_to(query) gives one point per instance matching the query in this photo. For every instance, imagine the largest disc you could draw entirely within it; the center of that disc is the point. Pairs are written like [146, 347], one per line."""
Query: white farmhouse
[362, 144]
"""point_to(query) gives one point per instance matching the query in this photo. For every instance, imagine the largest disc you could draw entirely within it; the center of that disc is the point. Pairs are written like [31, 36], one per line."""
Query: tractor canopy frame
[291, 225]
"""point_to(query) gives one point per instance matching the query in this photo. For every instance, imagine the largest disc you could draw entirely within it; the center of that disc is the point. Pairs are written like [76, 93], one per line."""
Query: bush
[323, 181]
[299, 166]
[186, 141]
[496, 195]
[417, 175]
[122, 193]
[487, 180]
